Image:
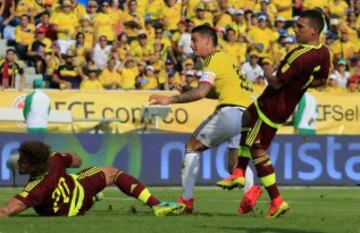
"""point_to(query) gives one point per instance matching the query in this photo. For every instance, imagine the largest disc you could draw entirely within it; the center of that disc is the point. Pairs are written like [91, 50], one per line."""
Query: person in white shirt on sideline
[36, 109]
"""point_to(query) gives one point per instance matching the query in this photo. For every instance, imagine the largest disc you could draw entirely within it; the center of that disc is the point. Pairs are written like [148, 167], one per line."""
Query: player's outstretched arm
[270, 78]
[192, 95]
[13, 207]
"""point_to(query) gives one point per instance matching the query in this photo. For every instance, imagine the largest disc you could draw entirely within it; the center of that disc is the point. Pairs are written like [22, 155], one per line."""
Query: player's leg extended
[133, 187]
[189, 172]
[259, 140]
[237, 175]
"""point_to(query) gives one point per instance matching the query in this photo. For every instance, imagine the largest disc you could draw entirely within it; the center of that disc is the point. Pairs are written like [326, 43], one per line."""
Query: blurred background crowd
[146, 44]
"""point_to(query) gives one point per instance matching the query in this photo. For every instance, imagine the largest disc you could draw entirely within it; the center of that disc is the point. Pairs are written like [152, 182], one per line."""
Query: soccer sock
[266, 173]
[243, 159]
[189, 173]
[132, 187]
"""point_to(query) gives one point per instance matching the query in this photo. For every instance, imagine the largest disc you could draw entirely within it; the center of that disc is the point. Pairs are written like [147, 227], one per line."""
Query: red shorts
[259, 135]
[93, 181]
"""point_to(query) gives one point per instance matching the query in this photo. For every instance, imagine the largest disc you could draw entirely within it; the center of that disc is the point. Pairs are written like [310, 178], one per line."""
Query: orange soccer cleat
[277, 207]
[249, 200]
[189, 204]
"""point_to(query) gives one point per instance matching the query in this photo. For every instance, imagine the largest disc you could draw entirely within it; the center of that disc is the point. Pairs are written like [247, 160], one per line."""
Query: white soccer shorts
[223, 125]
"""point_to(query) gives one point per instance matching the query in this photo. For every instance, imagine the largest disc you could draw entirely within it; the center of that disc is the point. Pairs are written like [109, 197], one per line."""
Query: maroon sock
[243, 163]
[263, 169]
[132, 187]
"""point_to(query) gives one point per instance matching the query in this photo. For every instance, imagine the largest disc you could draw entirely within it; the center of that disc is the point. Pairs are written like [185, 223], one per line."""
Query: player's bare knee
[110, 174]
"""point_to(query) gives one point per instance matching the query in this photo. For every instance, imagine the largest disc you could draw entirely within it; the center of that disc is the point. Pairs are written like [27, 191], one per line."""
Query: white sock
[189, 172]
[249, 179]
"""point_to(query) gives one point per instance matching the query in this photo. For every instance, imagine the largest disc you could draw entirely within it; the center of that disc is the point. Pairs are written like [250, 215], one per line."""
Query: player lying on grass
[53, 192]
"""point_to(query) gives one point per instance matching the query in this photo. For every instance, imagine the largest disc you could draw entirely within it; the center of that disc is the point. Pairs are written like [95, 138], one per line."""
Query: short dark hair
[35, 152]
[10, 50]
[206, 29]
[315, 17]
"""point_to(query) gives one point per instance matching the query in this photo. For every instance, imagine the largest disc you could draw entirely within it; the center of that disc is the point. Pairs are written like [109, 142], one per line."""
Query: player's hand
[159, 99]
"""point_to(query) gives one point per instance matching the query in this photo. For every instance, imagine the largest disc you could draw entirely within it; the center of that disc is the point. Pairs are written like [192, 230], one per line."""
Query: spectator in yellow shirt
[110, 77]
[233, 47]
[262, 37]
[142, 47]
[65, 23]
[190, 81]
[225, 18]
[88, 30]
[92, 8]
[92, 83]
[149, 80]
[104, 23]
[24, 36]
[338, 7]
[129, 74]
[239, 23]
[200, 16]
[344, 48]
[78, 9]
[53, 60]
[284, 8]
[132, 21]
[170, 15]
[169, 76]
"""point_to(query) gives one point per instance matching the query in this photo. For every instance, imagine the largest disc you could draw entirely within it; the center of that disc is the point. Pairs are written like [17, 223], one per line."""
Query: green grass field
[312, 210]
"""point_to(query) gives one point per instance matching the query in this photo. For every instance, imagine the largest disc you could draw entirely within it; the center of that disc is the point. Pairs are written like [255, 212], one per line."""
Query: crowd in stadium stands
[146, 44]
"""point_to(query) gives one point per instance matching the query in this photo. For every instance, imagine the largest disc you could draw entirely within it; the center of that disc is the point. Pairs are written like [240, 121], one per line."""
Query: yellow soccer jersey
[221, 71]
[103, 24]
[128, 76]
[286, 6]
[65, 22]
[171, 16]
[25, 36]
[91, 85]
[107, 77]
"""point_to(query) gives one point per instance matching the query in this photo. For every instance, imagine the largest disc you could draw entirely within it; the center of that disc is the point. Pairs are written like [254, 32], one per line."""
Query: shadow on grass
[258, 229]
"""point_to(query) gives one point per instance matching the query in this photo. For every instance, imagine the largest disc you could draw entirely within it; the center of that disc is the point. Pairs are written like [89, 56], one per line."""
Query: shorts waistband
[230, 105]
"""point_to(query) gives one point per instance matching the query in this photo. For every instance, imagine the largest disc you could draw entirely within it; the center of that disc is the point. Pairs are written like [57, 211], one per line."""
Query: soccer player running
[53, 192]
[303, 67]
[221, 79]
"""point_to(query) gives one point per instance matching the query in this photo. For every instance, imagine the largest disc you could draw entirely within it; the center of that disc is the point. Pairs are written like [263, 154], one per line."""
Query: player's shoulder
[307, 53]
[33, 183]
[218, 59]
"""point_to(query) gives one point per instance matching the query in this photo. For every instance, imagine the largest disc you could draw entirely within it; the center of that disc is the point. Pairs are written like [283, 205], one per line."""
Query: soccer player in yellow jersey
[220, 79]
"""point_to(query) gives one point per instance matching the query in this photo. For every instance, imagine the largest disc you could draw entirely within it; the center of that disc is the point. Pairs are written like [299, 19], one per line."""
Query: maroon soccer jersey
[299, 67]
[55, 193]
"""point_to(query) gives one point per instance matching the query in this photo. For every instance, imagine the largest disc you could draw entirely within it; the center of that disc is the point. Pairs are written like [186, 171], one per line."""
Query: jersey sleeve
[210, 71]
[208, 77]
[33, 194]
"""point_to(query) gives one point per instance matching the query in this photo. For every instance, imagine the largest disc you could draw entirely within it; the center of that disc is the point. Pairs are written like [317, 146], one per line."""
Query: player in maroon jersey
[303, 67]
[53, 192]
